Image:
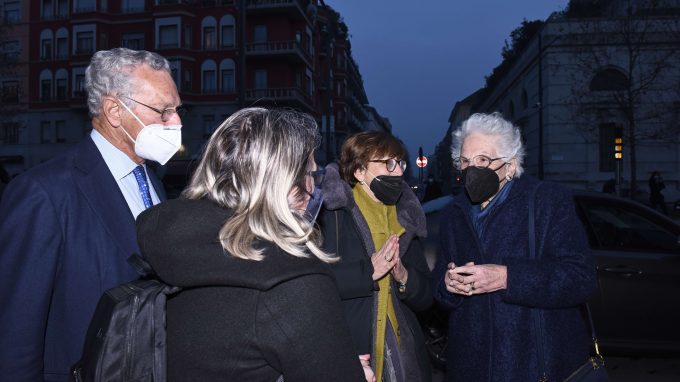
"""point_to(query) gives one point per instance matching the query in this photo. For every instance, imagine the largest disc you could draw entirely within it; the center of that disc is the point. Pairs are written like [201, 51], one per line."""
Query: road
[623, 369]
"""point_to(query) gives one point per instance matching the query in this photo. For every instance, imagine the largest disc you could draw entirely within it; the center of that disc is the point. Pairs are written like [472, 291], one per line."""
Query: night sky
[418, 58]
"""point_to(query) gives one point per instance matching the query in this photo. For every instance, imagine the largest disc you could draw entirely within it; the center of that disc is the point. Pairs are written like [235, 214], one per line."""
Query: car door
[637, 305]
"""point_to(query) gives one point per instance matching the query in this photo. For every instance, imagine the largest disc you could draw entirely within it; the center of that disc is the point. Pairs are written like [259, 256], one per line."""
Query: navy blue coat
[492, 336]
[65, 233]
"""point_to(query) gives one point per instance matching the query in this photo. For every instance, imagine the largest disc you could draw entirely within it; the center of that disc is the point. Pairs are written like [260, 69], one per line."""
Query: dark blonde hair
[251, 163]
[360, 148]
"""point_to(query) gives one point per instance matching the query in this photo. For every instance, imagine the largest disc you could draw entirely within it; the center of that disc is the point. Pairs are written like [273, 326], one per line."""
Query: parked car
[636, 308]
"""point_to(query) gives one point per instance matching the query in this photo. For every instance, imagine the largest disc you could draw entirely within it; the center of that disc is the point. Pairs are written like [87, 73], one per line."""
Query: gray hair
[250, 165]
[109, 74]
[509, 137]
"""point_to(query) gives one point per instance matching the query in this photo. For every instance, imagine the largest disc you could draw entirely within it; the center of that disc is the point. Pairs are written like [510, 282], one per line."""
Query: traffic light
[618, 148]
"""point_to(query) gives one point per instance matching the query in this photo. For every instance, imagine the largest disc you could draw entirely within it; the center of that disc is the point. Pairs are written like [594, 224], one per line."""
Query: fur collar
[338, 194]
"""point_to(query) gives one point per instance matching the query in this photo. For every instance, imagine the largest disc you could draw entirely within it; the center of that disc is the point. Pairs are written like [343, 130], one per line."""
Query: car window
[622, 226]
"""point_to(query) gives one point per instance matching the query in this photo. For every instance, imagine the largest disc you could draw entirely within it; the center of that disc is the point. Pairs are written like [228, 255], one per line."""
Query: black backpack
[126, 337]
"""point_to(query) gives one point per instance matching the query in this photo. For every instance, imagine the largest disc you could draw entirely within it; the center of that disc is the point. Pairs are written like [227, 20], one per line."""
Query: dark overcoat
[347, 234]
[238, 319]
[492, 336]
[66, 232]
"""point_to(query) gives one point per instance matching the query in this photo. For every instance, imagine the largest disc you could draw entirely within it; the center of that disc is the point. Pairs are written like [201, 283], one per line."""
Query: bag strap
[536, 314]
[141, 266]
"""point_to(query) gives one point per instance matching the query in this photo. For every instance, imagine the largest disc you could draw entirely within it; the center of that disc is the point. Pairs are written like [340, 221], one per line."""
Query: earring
[508, 177]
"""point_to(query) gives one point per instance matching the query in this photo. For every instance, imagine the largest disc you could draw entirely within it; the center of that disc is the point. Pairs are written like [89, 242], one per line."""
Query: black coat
[243, 320]
[346, 233]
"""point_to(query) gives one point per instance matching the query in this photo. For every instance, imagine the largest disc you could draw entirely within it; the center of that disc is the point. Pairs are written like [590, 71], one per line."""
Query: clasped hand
[387, 259]
[472, 279]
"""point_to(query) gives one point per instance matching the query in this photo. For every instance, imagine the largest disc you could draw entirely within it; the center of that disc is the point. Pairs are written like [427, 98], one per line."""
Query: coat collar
[338, 194]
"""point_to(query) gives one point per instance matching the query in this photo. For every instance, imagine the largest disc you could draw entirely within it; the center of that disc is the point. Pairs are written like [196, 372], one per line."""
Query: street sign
[421, 161]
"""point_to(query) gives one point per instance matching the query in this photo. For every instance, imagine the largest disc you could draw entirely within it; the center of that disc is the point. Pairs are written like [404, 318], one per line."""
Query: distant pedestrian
[656, 198]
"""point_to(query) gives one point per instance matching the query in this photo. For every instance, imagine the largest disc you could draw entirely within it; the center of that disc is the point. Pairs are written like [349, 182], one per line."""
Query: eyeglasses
[317, 175]
[481, 161]
[166, 114]
[391, 164]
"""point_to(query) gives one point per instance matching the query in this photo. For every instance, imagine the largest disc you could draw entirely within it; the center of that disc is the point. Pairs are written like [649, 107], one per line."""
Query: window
[133, 6]
[84, 6]
[79, 85]
[209, 81]
[609, 80]
[9, 133]
[61, 88]
[209, 38]
[46, 49]
[62, 8]
[227, 36]
[62, 48]
[228, 85]
[227, 31]
[310, 85]
[12, 12]
[85, 42]
[260, 83]
[60, 126]
[607, 133]
[46, 90]
[45, 132]
[227, 76]
[208, 125]
[10, 91]
[133, 40]
[625, 227]
[260, 37]
[10, 51]
[168, 37]
[47, 9]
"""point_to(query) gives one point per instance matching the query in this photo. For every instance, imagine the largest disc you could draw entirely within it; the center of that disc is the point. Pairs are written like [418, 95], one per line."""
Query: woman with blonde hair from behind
[257, 301]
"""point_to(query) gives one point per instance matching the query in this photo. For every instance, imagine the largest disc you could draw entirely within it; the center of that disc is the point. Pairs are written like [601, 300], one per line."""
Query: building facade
[585, 79]
[224, 55]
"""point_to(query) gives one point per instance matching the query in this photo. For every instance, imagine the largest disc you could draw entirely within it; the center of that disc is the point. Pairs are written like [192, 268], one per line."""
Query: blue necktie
[140, 176]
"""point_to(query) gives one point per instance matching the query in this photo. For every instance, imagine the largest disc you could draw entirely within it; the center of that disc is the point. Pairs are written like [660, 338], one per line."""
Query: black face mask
[386, 188]
[314, 205]
[480, 183]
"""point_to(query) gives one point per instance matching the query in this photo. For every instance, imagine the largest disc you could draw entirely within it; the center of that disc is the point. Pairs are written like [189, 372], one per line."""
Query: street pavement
[623, 369]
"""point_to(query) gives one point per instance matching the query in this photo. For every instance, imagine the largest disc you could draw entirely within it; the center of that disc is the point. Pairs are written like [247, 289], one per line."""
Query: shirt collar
[117, 161]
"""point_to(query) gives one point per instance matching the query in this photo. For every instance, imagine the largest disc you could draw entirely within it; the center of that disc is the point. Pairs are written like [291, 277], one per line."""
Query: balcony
[291, 49]
[291, 96]
[292, 8]
[215, 3]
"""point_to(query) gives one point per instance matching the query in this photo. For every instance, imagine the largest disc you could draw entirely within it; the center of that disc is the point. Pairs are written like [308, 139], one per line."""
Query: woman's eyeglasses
[317, 175]
[481, 161]
[391, 164]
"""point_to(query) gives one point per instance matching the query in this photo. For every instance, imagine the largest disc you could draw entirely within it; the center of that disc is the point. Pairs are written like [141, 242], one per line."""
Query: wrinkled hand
[476, 279]
[366, 364]
[385, 259]
[399, 272]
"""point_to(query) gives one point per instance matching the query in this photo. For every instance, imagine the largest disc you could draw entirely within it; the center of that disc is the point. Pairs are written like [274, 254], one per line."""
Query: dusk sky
[418, 58]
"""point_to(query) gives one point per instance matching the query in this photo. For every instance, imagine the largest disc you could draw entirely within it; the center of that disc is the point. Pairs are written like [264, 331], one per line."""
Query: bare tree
[624, 69]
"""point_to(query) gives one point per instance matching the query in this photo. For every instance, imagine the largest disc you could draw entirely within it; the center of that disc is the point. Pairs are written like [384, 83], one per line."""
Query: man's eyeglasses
[166, 114]
[481, 161]
[391, 164]
[317, 175]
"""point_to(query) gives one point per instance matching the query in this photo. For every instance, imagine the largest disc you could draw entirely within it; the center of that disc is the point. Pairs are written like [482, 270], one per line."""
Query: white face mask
[156, 142]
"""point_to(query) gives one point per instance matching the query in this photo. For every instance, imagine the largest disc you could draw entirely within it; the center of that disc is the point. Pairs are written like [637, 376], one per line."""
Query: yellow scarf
[382, 221]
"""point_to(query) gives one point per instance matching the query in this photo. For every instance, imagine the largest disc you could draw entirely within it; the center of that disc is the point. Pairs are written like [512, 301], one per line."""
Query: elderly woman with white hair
[515, 310]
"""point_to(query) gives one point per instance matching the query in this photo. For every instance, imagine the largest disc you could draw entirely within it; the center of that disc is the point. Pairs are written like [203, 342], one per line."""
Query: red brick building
[224, 55]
